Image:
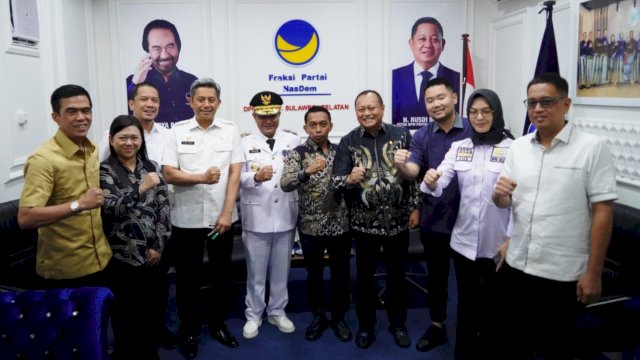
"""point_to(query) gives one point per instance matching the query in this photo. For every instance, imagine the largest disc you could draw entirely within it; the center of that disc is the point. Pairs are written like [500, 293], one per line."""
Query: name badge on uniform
[499, 154]
[254, 151]
[188, 142]
[464, 154]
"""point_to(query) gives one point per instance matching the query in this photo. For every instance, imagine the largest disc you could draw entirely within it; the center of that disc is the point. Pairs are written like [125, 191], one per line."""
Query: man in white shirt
[561, 185]
[203, 162]
[144, 102]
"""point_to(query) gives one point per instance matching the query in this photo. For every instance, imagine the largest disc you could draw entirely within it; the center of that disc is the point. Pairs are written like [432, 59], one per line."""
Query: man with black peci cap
[269, 215]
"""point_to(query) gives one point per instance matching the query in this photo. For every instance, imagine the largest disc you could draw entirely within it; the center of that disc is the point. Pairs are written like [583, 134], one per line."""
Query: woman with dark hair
[135, 216]
[481, 229]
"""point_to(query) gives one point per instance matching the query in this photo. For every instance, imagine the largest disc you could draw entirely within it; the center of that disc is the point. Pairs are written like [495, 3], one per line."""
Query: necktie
[271, 142]
[426, 76]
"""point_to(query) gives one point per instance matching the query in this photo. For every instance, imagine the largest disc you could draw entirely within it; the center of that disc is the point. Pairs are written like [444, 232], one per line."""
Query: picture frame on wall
[606, 54]
[425, 41]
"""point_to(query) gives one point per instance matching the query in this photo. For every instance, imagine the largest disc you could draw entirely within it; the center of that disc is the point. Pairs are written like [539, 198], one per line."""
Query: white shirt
[156, 140]
[265, 207]
[481, 227]
[194, 149]
[417, 72]
[551, 201]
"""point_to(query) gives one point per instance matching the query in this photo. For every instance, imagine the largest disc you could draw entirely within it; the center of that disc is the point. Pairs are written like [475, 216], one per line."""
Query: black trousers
[138, 309]
[476, 281]
[437, 251]
[339, 250]
[538, 316]
[188, 246]
[394, 254]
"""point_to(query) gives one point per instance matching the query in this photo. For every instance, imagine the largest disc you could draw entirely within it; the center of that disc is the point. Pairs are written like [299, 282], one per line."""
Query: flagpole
[463, 88]
[547, 57]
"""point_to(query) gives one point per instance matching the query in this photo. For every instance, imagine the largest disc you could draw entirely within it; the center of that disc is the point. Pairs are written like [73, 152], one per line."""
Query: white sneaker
[282, 322]
[250, 329]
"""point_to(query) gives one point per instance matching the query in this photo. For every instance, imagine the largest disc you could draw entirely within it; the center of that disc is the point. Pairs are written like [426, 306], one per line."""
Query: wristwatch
[75, 206]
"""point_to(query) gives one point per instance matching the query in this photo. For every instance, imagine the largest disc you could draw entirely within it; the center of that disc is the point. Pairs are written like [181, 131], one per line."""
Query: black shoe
[342, 331]
[315, 330]
[434, 336]
[168, 339]
[224, 336]
[365, 338]
[401, 337]
[189, 347]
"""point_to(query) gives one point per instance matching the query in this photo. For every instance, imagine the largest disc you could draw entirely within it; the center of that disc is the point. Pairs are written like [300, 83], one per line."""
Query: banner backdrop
[408, 108]
[163, 51]
[306, 52]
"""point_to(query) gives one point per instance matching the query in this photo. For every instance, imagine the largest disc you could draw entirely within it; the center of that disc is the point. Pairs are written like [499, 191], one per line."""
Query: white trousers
[268, 257]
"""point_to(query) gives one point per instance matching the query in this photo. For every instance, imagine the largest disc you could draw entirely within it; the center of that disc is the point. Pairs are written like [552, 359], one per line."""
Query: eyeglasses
[544, 102]
[473, 113]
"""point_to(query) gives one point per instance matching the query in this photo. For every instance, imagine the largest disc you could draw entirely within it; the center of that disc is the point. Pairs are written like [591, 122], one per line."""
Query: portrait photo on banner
[425, 42]
[157, 45]
[607, 53]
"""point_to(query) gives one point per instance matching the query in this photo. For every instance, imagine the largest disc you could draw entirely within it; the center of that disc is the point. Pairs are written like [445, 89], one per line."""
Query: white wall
[78, 41]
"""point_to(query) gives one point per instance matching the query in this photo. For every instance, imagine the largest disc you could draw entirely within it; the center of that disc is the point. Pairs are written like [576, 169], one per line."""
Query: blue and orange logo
[297, 42]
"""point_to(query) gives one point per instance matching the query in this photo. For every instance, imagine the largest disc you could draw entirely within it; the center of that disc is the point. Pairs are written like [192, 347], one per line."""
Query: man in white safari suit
[269, 215]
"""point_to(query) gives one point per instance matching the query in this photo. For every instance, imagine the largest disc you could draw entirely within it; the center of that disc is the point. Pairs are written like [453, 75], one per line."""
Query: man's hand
[223, 224]
[431, 178]
[92, 199]
[153, 257]
[502, 192]
[140, 74]
[211, 175]
[401, 157]
[589, 288]
[149, 181]
[414, 218]
[264, 174]
[318, 165]
[356, 175]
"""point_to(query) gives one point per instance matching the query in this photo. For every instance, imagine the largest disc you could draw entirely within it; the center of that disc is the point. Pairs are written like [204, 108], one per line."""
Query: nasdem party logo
[297, 42]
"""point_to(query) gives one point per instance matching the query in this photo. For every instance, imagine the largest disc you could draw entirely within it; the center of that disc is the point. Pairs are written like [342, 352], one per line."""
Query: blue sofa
[55, 324]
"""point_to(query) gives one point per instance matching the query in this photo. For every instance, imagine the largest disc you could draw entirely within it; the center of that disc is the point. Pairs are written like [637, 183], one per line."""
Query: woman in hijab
[481, 228]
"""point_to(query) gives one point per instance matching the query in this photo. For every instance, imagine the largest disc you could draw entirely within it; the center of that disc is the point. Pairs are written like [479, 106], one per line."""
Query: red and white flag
[468, 83]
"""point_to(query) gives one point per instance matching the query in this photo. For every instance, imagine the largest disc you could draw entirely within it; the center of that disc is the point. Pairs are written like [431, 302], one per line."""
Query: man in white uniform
[203, 162]
[269, 216]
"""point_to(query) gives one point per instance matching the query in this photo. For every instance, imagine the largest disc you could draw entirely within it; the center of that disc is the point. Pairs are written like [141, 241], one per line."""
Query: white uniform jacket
[264, 207]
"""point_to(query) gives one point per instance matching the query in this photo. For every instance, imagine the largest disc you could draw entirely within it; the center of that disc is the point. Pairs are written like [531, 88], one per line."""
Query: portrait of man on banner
[427, 43]
[159, 66]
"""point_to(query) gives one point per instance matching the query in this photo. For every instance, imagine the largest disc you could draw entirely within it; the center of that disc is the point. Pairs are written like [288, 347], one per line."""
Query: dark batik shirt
[323, 211]
[133, 222]
[382, 202]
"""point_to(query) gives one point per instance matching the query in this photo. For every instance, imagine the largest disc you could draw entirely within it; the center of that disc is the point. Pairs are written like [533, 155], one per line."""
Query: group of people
[603, 60]
[527, 221]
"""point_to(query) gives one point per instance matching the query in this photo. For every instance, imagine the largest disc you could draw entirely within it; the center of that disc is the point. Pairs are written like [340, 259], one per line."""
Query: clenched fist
[211, 175]
[92, 199]
[149, 181]
[401, 156]
[264, 174]
[317, 165]
[357, 175]
[431, 177]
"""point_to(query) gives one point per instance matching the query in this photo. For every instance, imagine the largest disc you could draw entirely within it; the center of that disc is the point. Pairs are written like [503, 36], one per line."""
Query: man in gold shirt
[62, 197]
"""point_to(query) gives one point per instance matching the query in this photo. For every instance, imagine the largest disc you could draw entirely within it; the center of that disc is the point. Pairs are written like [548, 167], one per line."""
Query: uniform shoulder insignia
[244, 134]
[290, 132]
